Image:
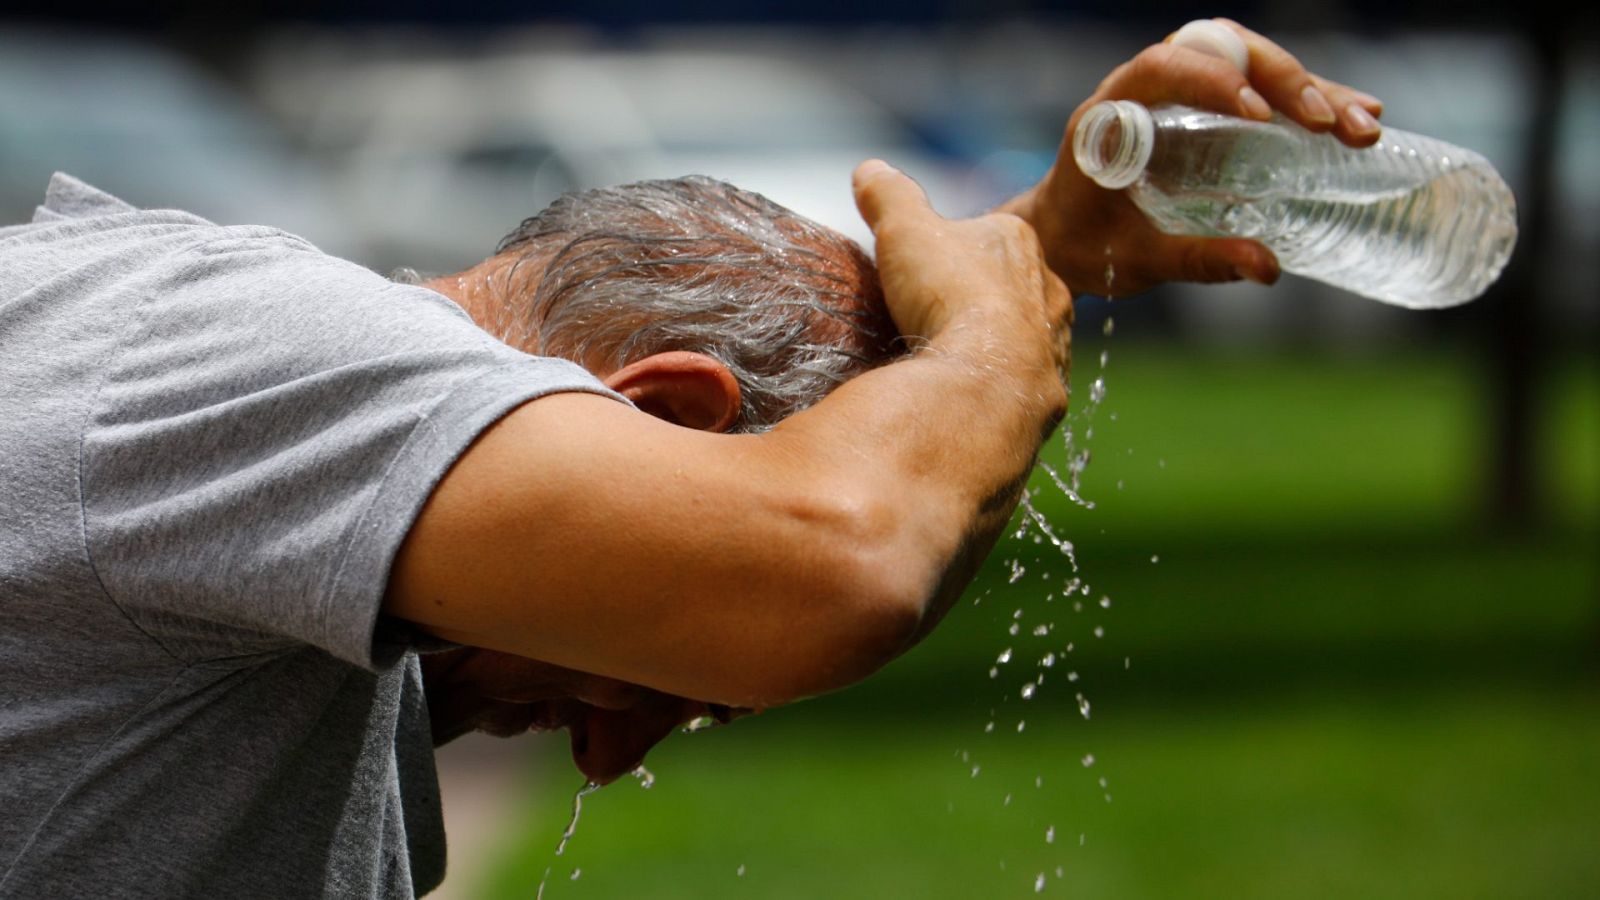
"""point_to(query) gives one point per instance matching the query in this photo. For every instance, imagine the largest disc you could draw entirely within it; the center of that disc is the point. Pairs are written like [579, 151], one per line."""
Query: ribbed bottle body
[1412, 220]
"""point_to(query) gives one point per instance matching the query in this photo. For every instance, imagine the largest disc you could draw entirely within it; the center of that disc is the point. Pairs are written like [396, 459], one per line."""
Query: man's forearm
[952, 434]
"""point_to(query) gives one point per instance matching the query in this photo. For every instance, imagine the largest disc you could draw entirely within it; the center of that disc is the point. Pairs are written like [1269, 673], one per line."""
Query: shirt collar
[68, 198]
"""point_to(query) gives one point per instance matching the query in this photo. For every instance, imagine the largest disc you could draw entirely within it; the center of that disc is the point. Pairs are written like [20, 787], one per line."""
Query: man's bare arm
[756, 569]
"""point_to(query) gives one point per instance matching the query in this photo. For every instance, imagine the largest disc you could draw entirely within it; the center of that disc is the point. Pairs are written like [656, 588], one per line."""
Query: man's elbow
[865, 594]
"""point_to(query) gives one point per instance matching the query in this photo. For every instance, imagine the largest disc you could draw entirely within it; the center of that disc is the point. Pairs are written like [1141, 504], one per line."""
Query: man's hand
[1084, 227]
[979, 293]
[613, 724]
[983, 278]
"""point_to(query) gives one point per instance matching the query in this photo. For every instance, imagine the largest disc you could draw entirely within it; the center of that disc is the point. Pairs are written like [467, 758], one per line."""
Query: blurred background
[1334, 624]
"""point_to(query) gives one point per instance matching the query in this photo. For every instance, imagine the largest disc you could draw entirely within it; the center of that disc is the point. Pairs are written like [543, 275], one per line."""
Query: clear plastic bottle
[1411, 221]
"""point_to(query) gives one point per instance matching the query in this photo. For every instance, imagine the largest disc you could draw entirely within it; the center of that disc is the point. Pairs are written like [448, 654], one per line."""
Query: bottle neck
[1113, 142]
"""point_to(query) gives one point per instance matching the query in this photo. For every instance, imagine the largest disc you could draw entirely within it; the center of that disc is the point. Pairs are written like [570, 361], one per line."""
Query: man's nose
[610, 743]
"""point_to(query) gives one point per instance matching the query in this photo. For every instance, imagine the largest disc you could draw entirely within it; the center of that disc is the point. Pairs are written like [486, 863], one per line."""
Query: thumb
[883, 192]
[1212, 260]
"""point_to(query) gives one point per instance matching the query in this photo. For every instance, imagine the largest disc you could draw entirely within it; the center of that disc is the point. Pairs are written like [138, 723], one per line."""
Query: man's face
[613, 724]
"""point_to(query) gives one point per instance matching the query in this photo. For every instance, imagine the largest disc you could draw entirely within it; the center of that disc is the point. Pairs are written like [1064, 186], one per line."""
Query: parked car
[142, 123]
[439, 158]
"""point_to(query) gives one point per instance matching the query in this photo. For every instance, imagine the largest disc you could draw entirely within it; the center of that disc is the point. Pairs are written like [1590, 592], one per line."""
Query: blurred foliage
[1321, 675]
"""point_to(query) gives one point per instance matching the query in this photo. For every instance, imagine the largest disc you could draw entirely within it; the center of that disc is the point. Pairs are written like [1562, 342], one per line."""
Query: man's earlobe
[682, 387]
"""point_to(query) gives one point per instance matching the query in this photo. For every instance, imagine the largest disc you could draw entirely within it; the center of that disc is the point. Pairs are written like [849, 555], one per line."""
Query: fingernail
[1315, 105]
[1359, 120]
[873, 167]
[1255, 105]
[1368, 100]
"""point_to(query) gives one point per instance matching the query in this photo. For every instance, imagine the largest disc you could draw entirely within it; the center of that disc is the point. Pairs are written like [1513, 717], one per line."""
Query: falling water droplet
[1072, 676]
[1097, 391]
[1014, 630]
[1048, 660]
[1041, 630]
[1099, 631]
[1155, 558]
[1108, 326]
[698, 724]
[1088, 760]
[576, 874]
[1021, 724]
[1027, 690]
[1038, 884]
[740, 870]
[976, 770]
[1004, 657]
[1083, 706]
[577, 810]
[994, 672]
[989, 728]
[1050, 835]
[1006, 801]
[1105, 602]
[1038, 781]
[647, 779]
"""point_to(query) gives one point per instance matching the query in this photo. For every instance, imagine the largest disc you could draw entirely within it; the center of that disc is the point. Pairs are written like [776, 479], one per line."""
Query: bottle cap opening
[1113, 142]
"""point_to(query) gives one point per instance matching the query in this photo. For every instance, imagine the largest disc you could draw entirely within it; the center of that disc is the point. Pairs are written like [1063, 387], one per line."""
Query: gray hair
[616, 274]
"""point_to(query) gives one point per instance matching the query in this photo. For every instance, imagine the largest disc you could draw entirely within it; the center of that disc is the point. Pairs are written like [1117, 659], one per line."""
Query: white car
[441, 158]
[152, 129]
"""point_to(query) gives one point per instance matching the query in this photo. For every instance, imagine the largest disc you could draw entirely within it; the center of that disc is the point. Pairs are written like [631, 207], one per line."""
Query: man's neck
[478, 292]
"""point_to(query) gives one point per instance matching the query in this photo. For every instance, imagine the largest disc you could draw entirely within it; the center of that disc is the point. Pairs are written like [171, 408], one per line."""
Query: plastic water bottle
[1411, 221]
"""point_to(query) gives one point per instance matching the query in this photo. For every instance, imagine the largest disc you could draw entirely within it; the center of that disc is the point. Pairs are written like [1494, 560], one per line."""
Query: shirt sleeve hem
[352, 607]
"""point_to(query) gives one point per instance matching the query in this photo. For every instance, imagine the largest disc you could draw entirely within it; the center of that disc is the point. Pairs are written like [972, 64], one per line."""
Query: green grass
[1438, 794]
[1338, 680]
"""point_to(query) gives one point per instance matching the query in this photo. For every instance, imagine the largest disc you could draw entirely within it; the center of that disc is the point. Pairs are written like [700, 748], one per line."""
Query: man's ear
[684, 388]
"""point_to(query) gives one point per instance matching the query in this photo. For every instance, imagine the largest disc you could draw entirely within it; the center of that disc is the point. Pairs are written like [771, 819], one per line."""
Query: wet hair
[792, 308]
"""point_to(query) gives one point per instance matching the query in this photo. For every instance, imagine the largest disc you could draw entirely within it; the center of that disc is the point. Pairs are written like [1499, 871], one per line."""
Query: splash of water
[588, 788]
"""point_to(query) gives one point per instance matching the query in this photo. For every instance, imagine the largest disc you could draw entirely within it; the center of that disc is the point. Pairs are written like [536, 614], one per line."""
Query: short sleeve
[265, 433]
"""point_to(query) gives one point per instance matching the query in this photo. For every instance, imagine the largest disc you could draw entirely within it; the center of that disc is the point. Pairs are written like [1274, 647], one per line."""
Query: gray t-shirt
[212, 442]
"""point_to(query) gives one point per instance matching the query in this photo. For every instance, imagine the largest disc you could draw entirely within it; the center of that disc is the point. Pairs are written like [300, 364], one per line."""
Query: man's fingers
[1272, 79]
[1316, 103]
[1166, 73]
[1358, 113]
[883, 192]
[1278, 76]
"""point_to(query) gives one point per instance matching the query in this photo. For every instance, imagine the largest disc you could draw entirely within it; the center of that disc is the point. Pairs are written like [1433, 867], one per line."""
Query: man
[244, 483]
